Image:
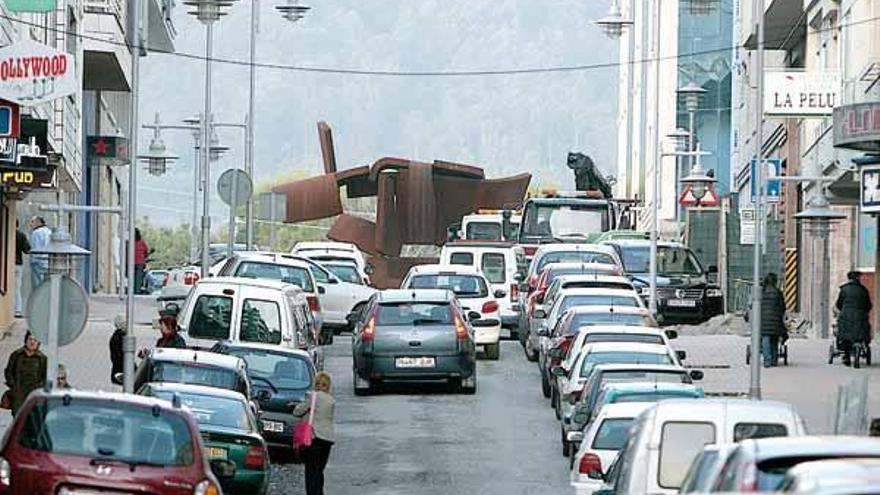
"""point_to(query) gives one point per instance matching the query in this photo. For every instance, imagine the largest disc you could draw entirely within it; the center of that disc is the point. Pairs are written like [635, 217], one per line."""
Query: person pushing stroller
[853, 306]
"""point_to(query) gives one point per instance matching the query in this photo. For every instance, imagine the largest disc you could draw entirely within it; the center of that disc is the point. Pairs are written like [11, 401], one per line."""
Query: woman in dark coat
[25, 371]
[854, 305]
[772, 320]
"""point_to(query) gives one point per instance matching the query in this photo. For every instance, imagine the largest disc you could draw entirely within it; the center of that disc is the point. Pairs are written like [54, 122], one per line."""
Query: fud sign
[805, 94]
[32, 73]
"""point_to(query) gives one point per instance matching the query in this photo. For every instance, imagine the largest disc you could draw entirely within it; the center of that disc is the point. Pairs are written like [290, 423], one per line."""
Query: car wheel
[493, 351]
[566, 447]
[361, 387]
[545, 385]
[531, 354]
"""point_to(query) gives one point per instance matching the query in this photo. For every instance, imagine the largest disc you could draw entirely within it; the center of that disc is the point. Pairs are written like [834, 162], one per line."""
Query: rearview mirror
[118, 378]
[333, 280]
[540, 313]
[353, 318]
[682, 355]
[500, 293]
[223, 469]
[696, 375]
[519, 277]
[671, 334]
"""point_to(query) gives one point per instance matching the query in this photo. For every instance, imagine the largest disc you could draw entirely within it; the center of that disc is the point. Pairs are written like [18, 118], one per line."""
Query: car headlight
[714, 293]
[5, 472]
[206, 487]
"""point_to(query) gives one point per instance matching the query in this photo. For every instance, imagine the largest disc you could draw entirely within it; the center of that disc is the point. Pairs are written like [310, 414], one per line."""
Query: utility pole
[250, 152]
[755, 380]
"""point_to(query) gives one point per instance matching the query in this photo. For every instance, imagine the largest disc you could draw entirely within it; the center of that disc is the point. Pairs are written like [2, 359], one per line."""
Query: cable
[389, 73]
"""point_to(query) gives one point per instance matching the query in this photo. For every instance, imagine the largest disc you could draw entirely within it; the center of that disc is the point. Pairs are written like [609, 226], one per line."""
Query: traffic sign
[73, 311]
[10, 120]
[870, 197]
[772, 185]
[238, 180]
[687, 198]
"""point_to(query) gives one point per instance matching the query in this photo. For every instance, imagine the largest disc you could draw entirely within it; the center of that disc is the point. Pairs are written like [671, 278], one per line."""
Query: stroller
[782, 353]
[858, 352]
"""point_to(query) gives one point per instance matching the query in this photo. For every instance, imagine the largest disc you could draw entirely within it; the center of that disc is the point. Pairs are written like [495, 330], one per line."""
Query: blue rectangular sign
[772, 186]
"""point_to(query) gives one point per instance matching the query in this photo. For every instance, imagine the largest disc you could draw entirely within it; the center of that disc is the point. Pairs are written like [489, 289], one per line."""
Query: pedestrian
[61, 382]
[25, 371]
[141, 251]
[40, 237]
[316, 456]
[772, 320]
[116, 355]
[22, 247]
[853, 305]
[170, 335]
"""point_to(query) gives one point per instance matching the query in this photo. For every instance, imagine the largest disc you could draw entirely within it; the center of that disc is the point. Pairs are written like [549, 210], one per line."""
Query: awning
[784, 26]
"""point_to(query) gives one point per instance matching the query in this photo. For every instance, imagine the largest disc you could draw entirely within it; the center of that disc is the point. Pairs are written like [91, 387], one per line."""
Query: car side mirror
[118, 378]
[500, 293]
[555, 353]
[519, 277]
[321, 290]
[712, 269]
[682, 355]
[224, 470]
[696, 375]
[575, 436]
[370, 269]
[671, 334]
[540, 313]
[539, 298]
[473, 315]
[543, 331]
[557, 371]
[581, 418]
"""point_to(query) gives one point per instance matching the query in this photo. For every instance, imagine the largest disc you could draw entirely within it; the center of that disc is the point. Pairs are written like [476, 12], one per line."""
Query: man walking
[854, 305]
[40, 236]
[22, 247]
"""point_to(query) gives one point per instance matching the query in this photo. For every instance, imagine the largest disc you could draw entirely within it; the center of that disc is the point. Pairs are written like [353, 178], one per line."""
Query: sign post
[772, 184]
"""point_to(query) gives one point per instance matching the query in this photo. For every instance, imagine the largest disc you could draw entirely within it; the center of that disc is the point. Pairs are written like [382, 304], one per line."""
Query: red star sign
[101, 147]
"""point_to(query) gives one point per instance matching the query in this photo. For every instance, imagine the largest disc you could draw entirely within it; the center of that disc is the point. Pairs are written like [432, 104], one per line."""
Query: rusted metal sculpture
[416, 202]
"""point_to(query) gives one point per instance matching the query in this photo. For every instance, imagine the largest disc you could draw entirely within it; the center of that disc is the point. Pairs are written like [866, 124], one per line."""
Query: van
[248, 310]
[666, 438]
[500, 263]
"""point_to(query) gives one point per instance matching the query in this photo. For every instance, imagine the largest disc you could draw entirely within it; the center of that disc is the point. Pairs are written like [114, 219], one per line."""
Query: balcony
[106, 59]
[161, 32]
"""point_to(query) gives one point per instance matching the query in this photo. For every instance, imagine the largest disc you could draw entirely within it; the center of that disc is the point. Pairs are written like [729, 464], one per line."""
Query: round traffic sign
[235, 187]
[73, 311]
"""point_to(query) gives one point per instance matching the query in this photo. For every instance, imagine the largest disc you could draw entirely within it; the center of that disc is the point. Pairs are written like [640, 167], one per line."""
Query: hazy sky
[505, 123]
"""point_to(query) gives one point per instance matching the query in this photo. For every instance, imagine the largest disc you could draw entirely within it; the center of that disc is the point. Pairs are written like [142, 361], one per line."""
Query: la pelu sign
[32, 73]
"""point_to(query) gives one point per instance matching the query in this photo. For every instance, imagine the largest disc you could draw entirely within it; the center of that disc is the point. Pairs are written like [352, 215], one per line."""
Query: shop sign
[24, 178]
[32, 73]
[800, 94]
[857, 126]
[870, 196]
[41, 6]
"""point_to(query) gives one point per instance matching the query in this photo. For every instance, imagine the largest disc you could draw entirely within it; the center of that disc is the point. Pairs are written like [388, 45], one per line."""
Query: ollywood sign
[32, 73]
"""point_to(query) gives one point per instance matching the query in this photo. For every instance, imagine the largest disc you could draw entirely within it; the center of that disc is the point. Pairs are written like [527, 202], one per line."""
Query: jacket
[22, 247]
[175, 341]
[24, 374]
[322, 424]
[117, 356]
[854, 304]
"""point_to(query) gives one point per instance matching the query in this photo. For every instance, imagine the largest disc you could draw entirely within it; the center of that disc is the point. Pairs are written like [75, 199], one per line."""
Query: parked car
[665, 439]
[249, 310]
[347, 271]
[102, 442]
[704, 469]
[165, 365]
[229, 431]
[612, 393]
[851, 476]
[760, 463]
[332, 251]
[280, 378]
[413, 335]
[503, 265]
[684, 291]
[571, 253]
[602, 440]
[473, 291]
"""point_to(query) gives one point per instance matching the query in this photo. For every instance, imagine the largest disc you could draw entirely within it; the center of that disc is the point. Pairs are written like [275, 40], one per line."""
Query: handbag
[303, 432]
[6, 401]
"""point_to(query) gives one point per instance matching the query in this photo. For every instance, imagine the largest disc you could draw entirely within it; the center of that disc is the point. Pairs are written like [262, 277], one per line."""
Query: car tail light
[489, 307]
[314, 305]
[590, 463]
[461, 332]
[256, 457]
[5, 472]
[369, 330]
[190, 278]
[166, 279]
[514, 292]
[530, 250]
[206, 487]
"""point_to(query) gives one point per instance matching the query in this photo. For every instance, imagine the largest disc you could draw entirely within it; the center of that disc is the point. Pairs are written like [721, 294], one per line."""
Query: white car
[603, 438]
[500, 262]
[587, 281]
[473, 291]
[326, 251]
[572, 253]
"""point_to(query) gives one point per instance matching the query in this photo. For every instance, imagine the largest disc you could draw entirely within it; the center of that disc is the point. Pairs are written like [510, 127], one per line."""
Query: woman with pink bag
[314, 436]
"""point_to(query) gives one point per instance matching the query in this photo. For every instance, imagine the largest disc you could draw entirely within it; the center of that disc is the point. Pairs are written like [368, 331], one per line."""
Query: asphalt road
[429, 440]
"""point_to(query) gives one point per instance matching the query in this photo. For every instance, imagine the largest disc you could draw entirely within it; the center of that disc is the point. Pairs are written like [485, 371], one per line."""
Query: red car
[68, 442]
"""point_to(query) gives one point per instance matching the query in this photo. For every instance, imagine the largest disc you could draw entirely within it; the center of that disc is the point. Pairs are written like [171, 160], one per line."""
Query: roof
[635, 347]
[591, 277]
[567, 247]
[273, 348]
[190, 355]
[625, 310]
[418, 295]
[602, 291]
[625, 329]
[131, 399]
[708, 406]
[826, 446]
[262, 283]
[329, 245]
[476, 217]
[584, 267]
[187, 388]
[480, 244]
[569, 200]
[276, 258]
[436, 269]
[623, 409]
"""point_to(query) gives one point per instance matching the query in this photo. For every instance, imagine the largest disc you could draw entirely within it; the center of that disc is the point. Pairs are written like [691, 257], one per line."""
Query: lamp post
[691, 93]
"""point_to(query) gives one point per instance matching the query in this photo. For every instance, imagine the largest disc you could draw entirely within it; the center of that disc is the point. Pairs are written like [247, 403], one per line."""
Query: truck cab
[566, 217]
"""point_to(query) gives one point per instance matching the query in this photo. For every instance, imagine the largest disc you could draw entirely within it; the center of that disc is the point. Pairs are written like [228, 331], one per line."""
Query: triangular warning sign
[687, 197]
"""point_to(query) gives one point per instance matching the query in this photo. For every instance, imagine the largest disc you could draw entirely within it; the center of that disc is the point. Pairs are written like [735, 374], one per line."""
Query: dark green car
[229, 431]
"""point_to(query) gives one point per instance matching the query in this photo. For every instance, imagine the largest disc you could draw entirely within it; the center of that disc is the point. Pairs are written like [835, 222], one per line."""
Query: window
[284, 371]
[4, 238]
[699, 472]
[260, 322]
[670, 261]
[598, 300]
[113, 431]
[494, 267]
[621, 357]
[212, 410]
[211, 317]
[320, 275]
[462, 258]
[641, 338]
[561, 220]
[288, 274]
[575, 257]
[612, 434]
[483, 231]
[465, 286]
[347, 273]
[588, 319]
[680, 442]
[193, 373]
[411, 314]
[747, 431]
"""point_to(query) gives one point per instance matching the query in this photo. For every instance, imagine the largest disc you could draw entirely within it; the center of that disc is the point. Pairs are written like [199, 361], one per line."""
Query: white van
[248, 310]
[666, 438]
[499, 262]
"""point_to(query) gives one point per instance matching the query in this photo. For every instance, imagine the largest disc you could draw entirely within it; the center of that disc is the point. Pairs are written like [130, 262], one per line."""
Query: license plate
[682, 303]
[414, 362]
[273, 426]
[216, 452]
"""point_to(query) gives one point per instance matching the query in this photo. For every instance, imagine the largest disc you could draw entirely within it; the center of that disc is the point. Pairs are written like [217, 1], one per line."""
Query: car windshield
[612, 434]
[193, 373]
[281, 369]
[260, 322]
[211, 410]
[569, 302]
[621, 357]
[413, 313]
[295, 275]
[346, 273]
[670, 260]
[641, 338]
[109, 430]
[560, 220]
[651, 397]
[575, 257]
[483, 231]
[619, 319]
[463, 286]
[211, 317]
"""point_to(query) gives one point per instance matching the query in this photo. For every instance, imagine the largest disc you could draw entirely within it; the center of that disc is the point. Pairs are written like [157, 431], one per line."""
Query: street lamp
[699, 180]
[614, 23]
[292, 10]
[157, 157]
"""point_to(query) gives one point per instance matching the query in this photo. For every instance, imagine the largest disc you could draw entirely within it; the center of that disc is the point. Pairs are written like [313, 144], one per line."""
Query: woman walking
[315, 457]
[25, 371]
